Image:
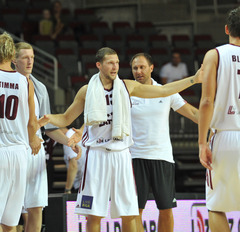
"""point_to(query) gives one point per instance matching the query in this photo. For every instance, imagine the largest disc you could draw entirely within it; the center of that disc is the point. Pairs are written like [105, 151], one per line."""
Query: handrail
[45, 64]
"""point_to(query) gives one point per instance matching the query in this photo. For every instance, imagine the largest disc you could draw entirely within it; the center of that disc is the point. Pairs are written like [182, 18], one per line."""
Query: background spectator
[59, 24]
[173, 70]
[46, 24]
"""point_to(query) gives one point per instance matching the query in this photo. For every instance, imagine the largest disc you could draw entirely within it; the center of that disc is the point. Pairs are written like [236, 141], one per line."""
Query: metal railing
[45, 65]
[108, 3]
[193, 5]
[215, 5]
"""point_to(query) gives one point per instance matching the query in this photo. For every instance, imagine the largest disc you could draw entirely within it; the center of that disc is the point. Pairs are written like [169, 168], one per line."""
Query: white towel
[95, 111]
[95, 104]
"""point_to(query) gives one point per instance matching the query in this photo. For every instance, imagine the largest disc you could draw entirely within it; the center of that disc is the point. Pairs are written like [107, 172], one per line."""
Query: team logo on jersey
[86, 202]
[160, 101]
[100, 140]
[233, 110]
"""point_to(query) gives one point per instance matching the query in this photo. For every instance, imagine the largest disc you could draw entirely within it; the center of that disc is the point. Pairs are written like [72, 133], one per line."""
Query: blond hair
[7, 48]
[22, 45]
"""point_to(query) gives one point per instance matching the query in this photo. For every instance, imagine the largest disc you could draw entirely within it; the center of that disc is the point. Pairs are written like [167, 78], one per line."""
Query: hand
[75, 138]
[43, 121]
[205, 156]
[199, 75]
[35, 144]
[77, 149]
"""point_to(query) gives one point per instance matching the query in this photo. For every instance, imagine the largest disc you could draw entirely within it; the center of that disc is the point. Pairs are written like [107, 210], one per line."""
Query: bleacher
[75, 52]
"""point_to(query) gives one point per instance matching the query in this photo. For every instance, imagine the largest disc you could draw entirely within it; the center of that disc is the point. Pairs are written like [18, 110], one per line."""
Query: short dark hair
[146, 55]
[102, 52]
[233, 22]
[175, 51]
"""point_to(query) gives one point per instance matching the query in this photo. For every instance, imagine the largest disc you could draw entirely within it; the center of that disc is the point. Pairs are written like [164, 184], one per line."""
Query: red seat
[78, 79]
[181, 41]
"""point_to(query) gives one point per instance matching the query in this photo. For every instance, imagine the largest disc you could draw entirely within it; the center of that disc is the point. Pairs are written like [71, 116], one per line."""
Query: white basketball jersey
[14, 110]
[226, 114]
[101, 135]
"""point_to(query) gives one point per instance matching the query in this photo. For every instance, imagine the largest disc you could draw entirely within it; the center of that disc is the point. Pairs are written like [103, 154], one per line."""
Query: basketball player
[219, 110]
[107, 136]
[18, 126]
[153, 162]
[36, 197]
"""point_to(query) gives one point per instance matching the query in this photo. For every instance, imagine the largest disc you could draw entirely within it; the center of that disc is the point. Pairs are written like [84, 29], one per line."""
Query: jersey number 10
[9, 107]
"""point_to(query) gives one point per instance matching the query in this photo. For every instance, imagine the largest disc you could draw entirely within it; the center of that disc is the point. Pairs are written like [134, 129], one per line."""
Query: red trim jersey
[226, 114]
[14, 110]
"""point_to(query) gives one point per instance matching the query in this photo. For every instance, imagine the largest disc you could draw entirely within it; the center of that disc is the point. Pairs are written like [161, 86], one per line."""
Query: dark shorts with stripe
[158, 175]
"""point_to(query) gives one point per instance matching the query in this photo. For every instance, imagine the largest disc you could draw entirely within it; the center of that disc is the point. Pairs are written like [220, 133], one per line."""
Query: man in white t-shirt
[152, 150]
[173, 70]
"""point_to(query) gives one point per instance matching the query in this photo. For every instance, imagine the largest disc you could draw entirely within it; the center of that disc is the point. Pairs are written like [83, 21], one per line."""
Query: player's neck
[107, 83]
[149, 81]
[6, 66]
[234, 40]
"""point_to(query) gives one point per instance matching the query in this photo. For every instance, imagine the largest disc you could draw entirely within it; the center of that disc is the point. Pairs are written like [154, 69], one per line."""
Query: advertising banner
[189, 216]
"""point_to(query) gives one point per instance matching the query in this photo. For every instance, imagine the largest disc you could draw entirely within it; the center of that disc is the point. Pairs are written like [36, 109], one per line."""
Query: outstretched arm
[190, 112]
[58, 136]
[210, 63]
[73, 111]
[153, 91]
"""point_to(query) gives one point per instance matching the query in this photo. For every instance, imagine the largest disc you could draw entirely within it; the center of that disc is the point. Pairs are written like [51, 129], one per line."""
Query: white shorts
[13, 166]
[70, 154]
[107, 175]
[223, 182]
[37, 186]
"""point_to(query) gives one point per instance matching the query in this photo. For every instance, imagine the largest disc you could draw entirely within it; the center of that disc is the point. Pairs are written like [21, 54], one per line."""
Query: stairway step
[60, 168]
[59, 184]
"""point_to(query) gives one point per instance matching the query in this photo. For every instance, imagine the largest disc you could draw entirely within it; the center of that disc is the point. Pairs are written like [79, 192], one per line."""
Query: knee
[166, 213]
[216, 213]
[6, 228]
[35, 212]
[127, 219]
[94, 219]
